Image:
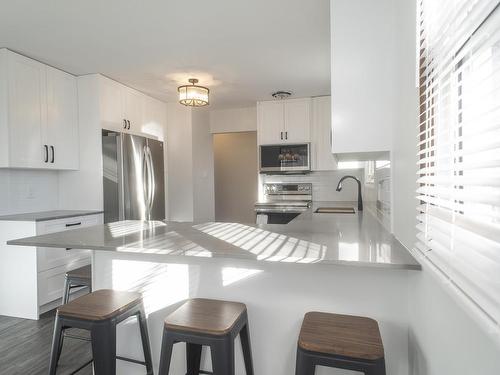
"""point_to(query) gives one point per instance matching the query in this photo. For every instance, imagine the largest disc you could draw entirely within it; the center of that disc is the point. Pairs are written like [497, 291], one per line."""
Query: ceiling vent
[281, 95]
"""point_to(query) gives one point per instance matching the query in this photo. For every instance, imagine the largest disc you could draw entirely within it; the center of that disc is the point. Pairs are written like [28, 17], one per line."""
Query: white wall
[28, 191]
[443, 338]
[180, 163]
[363, 62]
[203, 167]
[233, 120]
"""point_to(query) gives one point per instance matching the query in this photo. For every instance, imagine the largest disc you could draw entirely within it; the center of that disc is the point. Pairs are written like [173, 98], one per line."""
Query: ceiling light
[193, 95]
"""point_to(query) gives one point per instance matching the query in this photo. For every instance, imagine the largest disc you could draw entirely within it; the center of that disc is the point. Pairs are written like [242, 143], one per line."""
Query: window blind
[459, 147]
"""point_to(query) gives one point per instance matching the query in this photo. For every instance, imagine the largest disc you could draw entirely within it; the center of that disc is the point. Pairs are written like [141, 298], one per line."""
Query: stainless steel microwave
[285, 158]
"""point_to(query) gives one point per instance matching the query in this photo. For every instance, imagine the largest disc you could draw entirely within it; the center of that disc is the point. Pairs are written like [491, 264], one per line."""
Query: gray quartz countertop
[47, 215]
[357, 239]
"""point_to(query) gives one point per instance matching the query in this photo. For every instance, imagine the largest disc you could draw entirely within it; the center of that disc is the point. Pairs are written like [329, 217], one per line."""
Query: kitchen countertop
[47, 215]
[357, 239]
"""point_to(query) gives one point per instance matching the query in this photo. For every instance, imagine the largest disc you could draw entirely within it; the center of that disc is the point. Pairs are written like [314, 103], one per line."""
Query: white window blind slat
[458, 147]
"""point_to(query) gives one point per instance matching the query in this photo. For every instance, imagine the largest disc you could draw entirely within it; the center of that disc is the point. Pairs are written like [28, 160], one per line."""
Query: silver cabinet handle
[281, 135]
[53, 154]
[124, 124]
[46, 149]
[128, 124]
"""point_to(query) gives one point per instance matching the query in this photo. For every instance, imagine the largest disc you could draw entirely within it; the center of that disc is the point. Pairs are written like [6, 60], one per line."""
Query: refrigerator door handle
[152, 180]
[146, 180]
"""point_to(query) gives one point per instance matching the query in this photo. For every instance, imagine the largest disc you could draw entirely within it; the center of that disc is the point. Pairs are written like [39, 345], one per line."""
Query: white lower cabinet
[32, 279]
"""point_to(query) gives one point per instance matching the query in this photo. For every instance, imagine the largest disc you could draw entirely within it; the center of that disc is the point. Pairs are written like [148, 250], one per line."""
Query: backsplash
[325, 183]
[27, 191]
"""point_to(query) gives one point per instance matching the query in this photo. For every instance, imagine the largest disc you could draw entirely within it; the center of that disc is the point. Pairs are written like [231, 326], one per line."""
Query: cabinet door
[61, 130]
[154, 117]
[298, 120]
[27, 112]
[132, 107]
[270, 122]
[321, 135]
[111, 104]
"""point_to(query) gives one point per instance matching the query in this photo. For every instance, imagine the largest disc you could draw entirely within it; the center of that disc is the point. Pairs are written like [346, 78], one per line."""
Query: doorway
[236, 176]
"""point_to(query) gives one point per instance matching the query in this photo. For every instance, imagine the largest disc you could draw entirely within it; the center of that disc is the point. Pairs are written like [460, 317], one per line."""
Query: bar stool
[204, 322]
[99, 312]
[77, 278]
[340, 341]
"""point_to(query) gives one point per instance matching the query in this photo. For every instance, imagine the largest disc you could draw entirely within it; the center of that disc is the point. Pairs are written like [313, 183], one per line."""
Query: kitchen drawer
[59, 225]
[48, 258]
[51, 282]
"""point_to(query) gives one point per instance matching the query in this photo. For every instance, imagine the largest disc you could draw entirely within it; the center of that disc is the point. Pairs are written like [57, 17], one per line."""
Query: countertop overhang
[357, 239]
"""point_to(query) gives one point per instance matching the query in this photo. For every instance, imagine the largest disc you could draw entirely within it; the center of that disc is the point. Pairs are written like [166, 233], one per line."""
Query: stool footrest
[131, 360]
[82, 367]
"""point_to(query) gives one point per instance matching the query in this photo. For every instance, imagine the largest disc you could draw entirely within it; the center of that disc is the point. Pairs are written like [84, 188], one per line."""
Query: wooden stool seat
[207, 316]
[339, 341]
[84, 272]
[203, 322]
[100, 305]
[345, 335]
[99, 313]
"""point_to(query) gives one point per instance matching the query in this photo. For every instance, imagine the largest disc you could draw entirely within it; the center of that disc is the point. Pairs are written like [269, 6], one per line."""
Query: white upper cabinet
[321, 134]
[270, 122]
[298, 120]
[39, 122]
[61, 134]
[111, 104]
[127, 110]
[154, 117]
[284, 121]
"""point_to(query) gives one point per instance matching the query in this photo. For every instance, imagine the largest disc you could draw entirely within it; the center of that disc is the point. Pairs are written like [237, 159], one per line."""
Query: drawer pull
[73, 224]
[69, 248]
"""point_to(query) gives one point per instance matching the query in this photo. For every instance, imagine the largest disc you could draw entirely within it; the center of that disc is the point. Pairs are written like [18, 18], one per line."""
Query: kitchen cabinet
[130, 111]
[284, 121]
[61, 130]
[37, 273]
[39, 115]
[321, 135]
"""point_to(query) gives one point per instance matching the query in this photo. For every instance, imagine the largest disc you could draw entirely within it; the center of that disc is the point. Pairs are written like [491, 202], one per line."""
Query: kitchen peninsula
[344, 263]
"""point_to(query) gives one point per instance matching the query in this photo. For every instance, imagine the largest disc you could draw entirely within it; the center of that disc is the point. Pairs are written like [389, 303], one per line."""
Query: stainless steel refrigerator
[133, 177]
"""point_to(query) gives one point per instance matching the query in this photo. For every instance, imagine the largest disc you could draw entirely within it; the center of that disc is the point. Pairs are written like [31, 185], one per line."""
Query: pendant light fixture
[193, 95]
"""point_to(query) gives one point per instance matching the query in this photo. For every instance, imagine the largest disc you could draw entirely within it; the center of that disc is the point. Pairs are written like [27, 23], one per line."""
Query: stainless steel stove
[283, 202]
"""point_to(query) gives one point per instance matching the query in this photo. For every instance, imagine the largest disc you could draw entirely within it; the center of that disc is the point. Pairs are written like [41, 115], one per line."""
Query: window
[459, 148]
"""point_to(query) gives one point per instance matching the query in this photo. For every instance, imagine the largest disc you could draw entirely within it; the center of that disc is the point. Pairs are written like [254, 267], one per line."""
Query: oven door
[285, 158]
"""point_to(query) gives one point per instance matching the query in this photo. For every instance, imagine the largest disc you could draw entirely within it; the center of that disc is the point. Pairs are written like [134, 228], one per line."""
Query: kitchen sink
[335, 210]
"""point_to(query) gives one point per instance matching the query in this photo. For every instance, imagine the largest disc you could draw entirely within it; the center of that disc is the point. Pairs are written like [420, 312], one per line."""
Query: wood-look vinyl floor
[25, 347]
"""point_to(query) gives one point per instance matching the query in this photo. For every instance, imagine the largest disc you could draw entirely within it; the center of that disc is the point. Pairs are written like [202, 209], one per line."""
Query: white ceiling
[243, 50]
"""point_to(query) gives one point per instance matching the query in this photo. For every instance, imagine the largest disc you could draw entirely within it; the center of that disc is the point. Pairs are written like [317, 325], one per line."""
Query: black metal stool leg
[104, 349]
[56, 346]
[146, 347]
[247, 349]
[304, 364]
[167, 345]
[66, 290]
[377, 369]
[193, 358]
[223, 356]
